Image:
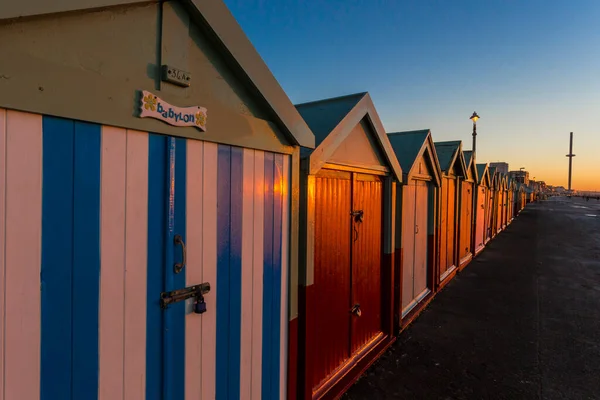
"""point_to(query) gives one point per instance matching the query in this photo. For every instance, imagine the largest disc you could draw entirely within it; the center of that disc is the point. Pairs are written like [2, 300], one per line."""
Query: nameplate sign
[153, 106]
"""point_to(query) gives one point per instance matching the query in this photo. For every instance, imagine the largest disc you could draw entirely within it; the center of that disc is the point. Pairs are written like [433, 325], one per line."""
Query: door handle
[179, 266]
[417, 229]
[356, 310]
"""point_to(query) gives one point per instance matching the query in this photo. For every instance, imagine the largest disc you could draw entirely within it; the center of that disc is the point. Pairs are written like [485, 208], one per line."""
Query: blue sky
[531, 69]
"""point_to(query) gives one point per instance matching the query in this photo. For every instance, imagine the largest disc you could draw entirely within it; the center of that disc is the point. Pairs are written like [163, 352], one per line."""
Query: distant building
[501, 167]
[520, 176]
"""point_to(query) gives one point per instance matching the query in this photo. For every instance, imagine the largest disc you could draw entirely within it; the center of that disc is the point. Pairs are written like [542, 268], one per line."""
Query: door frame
[433, 193]
[357, 363]
[442, 279]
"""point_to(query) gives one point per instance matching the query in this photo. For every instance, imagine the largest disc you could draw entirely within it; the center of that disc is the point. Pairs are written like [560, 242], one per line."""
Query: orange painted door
[443, 227]
[504, 198]
[466, 220]
[490, 224]
[480, 217]
[450, 224]
[331, 320]
[366, 259]
[347, 270]
[499, 211]
[451, 245]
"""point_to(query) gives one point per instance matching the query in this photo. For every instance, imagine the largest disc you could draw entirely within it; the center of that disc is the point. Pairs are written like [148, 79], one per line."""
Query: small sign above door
[152, 106]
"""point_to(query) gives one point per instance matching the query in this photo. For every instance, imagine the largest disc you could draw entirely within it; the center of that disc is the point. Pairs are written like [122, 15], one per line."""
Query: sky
[530, 68]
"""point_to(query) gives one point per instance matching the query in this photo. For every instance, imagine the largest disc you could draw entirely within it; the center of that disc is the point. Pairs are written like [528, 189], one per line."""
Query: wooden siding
[367, 248]
[447, 226]
[329, 341]
[466, 221]
[481, 218]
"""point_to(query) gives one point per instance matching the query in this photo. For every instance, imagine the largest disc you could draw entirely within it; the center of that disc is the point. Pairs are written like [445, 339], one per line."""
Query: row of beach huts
[173, 227]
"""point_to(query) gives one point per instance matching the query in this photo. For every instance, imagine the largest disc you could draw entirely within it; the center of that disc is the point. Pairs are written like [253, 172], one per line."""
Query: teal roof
[480, 170]
[492, 172]
[407, 146]
[500, 177]
[445, 152]
[468, 154]
[322, 116]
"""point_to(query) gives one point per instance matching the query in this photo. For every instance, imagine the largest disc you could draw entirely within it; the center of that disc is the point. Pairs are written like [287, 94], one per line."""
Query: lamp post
[474, 118]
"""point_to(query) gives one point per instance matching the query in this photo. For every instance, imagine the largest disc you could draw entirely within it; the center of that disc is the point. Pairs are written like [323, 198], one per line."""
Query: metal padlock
[200, 306]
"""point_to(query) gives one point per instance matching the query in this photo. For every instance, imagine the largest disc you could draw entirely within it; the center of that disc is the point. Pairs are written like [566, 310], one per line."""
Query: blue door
[165, 343]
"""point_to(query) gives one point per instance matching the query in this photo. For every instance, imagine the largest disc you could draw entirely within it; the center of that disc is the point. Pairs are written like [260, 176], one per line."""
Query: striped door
[89, 216]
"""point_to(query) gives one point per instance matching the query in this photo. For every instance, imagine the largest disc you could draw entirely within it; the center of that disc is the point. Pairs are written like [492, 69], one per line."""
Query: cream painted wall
[89, 65]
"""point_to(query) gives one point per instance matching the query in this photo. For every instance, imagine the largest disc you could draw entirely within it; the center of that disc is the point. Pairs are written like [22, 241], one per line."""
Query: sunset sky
[531, 70]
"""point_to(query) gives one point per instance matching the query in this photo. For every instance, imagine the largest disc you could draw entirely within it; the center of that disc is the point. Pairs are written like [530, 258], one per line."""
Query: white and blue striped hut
[147, 163]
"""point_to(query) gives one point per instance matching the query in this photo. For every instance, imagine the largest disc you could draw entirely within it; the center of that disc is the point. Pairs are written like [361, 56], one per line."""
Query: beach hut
[529, 195]
[492, 204]
[520, 197]
[346, 280]
[416, 216]
[511, 201]
[149, 164]
[501, 202]
[452, 164]
[481, 208]
[467, 217]
[500, 191]
[523, 197]
[515, 202]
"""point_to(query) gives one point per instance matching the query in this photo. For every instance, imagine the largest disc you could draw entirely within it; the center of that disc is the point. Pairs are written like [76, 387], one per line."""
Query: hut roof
[483, 174]
[448, 153]
[322, 116]
[468, 155]
[332, 120]
[407, 146]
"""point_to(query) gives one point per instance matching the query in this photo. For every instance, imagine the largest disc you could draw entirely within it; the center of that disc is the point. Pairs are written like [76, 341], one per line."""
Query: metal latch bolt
[196, 291]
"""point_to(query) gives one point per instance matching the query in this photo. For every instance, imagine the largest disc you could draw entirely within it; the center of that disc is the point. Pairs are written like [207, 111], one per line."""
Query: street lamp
[474, 118]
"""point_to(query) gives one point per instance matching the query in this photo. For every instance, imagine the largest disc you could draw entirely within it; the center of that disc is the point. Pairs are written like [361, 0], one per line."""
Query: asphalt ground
[522, 321]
